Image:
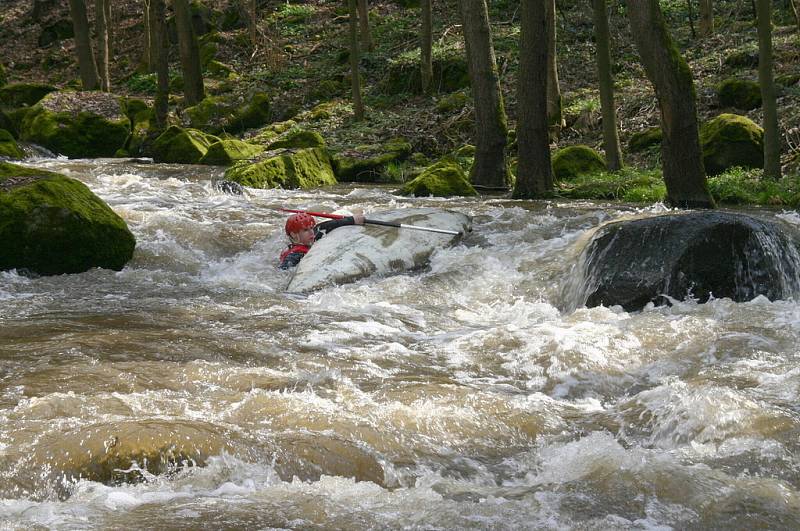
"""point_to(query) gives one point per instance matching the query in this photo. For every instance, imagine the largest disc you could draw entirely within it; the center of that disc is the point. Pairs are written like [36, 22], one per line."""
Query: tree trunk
[772, 139]
[706, 17]
[146, 60]
[358, 106]
[534, 172]
[796, 12]
[681, 157]
[426, 47]
[158, 53]
[252, 22]
[110, 25]
[193, 88]
[101, 27]
[83, 45]
[606, 82]
[363, 20]
[489, 168]
[554, 114]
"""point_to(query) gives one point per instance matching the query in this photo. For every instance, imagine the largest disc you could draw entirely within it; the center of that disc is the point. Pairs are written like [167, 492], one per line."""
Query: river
[460, 396]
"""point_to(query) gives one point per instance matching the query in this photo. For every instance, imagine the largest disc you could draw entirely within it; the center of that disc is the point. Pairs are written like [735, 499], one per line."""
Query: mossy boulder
[298, 138]
[739, 93]
[77, 124]
[449, 75]
[302, 168]
[444, 178]
[51, 225]
[9, 147]
[140, 116]
[23, 94]
[220, 70]
[227, 151]
[644, 139]
[742, 59]
[366, 163]
[183, 146]
[731, 140]
[254, 113]
[271, 132]
[574, 161]
[210, 114]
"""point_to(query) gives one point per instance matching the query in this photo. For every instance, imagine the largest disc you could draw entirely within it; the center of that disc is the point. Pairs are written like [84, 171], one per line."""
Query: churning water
[455, 397]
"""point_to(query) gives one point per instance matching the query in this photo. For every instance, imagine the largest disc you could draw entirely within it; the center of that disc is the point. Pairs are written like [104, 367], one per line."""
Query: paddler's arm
[326, 226]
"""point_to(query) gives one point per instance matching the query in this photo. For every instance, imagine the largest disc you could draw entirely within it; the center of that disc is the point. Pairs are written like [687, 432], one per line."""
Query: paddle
[374, 222]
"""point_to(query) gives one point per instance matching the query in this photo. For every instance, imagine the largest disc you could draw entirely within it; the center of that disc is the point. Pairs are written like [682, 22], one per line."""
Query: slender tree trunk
[796, 12]
[193, 88]
[606, 82]
[109, 28]
[534, 172]
[83, 45]
[426, 47]
[682, 159]
[101, 27]
[706, 17]
[252, 22]
[158, 54]
[363, 21]
[489, 168]
[358, 106]
[554, 114]
[148, 46]
[772, 139]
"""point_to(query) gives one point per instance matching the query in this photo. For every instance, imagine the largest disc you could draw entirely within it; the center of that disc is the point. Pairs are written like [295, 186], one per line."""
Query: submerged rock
[697, 255]
[50, 225]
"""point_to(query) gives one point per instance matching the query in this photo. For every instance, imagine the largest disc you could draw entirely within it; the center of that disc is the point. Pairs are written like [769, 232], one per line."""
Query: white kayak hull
[353, 252]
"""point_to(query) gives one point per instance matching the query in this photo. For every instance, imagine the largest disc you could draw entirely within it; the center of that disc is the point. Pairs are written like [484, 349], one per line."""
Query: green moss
[23, 94]
[254, 114]
[452, 102]
[3, 77]
[465, 157]
[209, 115]
[226, 152]
[272, 131]
[442, 179]
[644, 139]
[625, 185]
[574, 161]
[178, 145]
[731, 140]
[739, 93]
[449, 74]
[366, 163]
[298, 138]
[220, 70]
[9, 147]
[52, 225]
[305, 168]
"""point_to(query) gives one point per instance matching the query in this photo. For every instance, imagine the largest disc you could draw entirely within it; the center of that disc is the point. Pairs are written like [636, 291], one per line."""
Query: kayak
[357, 251]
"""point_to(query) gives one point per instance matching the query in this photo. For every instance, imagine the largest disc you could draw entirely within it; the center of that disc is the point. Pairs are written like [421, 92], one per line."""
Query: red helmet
[298, 222]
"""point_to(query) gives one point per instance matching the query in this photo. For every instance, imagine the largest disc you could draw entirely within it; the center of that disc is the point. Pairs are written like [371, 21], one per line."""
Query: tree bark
[534, 172]
[158, 53]
[146, 60]
[796, 12]
[706, 17]
[363, 20]
[682, 160]
[83, 45]
[426, 47]
[772, 139]
[193, 88]
[554, 114]
[101, 28]
[489, 168]
[606, 82]
[358, 106]
[252, 22]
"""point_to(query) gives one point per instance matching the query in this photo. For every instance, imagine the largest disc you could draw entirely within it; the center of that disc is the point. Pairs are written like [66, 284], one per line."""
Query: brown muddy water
[190, 391]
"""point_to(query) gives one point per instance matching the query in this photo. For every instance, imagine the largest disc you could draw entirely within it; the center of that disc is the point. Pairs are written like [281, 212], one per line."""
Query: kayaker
[303, 231]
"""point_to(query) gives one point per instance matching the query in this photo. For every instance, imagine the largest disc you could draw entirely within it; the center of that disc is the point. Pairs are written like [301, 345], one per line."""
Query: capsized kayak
[353, 252]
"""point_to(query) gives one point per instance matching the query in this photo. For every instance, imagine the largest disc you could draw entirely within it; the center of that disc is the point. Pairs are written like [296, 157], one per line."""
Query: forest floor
[301, 59]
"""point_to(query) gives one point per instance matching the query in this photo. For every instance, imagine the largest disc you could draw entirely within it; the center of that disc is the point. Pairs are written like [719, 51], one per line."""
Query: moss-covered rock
[77, 124]
[184, 146]
[449, 75]
[8, 146]
[15, 118]
[731, 140]
[227, 151]
[140, 116]
[304, 168]
[254, 113]
[452, 102]
[739, 93]
[50, 225]
[644, 139]
[210, 114]
[23, 94]
[574, 161]
[444, 178]
[7, 124]
[271, 132]
[220, 70]
[742, 59]
[298, 138]
[366, 163]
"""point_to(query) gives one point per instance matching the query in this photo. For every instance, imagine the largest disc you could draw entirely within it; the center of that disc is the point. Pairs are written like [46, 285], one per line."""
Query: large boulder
[739, 93]
[23, 94]
[227, 151]
[216, 114]
[731, 140]
[366, 163]
[697, 254]
[301, 168]
[8, 146]
[403, 74]
[182, 146]
[51, 225]
[574, 161]
[442, 179]
[77, 124]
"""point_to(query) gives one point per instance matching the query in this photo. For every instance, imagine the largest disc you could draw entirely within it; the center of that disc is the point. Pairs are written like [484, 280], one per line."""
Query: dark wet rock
[228, 187]
[51, 225]
[697, 255]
